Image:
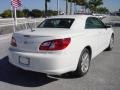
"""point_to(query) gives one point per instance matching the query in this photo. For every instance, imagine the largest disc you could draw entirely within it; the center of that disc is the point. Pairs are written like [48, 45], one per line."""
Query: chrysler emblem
[28, 42]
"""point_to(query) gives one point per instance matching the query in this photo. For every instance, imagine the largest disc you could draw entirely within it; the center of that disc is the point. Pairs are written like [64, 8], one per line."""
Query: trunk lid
[29, 41]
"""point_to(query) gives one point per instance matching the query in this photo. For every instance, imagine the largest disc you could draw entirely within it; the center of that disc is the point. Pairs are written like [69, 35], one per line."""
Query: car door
[103, 33]
[98, 33]
[93, 35]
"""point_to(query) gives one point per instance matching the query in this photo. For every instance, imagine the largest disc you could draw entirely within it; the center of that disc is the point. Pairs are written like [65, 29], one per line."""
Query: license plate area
[24, 60]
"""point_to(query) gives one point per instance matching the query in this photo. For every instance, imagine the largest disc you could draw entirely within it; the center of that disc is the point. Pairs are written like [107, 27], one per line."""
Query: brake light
[13, 42]
[57, 44]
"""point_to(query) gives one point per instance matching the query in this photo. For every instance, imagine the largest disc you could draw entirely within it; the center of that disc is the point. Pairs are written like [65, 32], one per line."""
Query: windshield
[56, 23]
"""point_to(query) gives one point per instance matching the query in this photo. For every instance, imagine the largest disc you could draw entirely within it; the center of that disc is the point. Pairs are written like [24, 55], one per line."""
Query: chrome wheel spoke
[85, 62]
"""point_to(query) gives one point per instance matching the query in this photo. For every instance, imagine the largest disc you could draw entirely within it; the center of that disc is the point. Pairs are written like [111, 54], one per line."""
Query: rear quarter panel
[79, 41]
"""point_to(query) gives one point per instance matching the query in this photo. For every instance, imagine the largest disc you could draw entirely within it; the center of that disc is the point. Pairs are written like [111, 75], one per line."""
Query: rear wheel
[84, 63]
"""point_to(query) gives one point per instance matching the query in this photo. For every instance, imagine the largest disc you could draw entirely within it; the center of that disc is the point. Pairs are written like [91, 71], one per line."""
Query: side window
[93, 23]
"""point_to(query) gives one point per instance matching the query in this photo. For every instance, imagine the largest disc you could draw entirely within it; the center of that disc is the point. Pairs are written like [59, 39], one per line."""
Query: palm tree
[46, 1]
[76, 2]
[93, 4]
[82, 3]
[102, 10]
[71, 5]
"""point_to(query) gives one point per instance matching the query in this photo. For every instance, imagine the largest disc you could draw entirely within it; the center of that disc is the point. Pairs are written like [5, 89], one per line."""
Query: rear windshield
[56, 23]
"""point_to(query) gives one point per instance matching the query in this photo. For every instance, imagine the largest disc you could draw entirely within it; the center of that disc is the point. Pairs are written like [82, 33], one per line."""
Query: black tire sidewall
[109, 47]
[112, 42]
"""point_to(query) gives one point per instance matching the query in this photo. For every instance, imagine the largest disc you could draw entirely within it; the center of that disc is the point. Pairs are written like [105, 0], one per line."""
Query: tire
[111, 44]
[84, 63]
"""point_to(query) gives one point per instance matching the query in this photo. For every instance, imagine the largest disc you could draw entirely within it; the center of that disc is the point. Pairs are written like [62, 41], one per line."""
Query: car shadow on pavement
[69, 75]
[13, 75]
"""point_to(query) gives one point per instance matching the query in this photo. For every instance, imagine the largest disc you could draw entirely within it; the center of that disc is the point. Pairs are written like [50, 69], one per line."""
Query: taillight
[13, 42]
[57, 44]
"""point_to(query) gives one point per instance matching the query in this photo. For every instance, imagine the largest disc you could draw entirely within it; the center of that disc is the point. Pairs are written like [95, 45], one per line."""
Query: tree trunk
[75, 9]
[45, 8]
[66, 7]
[58, 7]
[70, 8]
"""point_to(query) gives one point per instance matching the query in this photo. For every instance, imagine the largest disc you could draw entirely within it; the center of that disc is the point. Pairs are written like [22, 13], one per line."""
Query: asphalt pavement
[104, 73]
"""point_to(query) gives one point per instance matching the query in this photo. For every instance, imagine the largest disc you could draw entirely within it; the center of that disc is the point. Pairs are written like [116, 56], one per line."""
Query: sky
[112, 5]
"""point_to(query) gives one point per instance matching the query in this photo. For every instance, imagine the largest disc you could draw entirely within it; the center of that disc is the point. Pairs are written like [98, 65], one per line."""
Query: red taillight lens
[13, 42]
[57, 44]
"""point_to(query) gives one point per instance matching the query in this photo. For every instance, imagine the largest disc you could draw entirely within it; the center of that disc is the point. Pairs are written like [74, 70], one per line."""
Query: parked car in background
[61, 44]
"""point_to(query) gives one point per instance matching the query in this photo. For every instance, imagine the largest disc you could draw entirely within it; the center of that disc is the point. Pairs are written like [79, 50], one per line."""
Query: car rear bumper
[54, 64]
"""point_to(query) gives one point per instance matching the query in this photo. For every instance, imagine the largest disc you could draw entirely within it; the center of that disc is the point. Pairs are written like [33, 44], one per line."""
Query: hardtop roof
[70, 16]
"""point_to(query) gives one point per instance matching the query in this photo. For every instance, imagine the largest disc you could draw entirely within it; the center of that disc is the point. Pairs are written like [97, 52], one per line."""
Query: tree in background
[26, 12]
[76, 2]
[46, 6]
[86, 4]
[83, 4]
[69, 1]
[6, 14]
[52, 13]
[36, 13]
[71, 5]
[102, 10]
[93, 4]
[20, 13]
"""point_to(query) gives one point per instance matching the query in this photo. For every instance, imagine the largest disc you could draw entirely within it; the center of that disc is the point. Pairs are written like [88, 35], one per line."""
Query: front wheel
[84, 63]
[111, 44]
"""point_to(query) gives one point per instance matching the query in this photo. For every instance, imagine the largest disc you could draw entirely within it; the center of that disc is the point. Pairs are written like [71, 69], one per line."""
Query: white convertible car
[61, 44]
